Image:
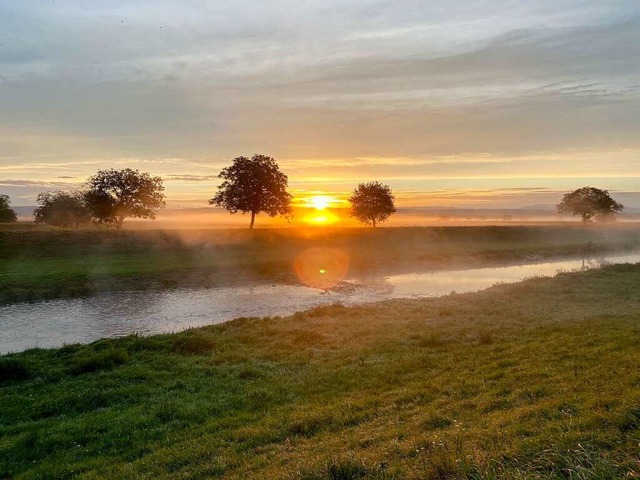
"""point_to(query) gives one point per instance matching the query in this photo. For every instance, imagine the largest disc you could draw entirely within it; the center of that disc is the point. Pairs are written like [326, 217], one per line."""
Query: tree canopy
[372, 203]
[62, 209]
[253, 185]
[589, 203]
[114, 195]
[7, 215]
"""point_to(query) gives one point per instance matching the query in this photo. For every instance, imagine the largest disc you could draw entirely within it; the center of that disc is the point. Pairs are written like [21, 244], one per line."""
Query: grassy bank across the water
[537, 380]
[40, 263]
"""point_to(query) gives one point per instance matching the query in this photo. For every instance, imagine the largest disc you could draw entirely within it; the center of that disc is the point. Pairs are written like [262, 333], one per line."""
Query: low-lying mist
[40, 262]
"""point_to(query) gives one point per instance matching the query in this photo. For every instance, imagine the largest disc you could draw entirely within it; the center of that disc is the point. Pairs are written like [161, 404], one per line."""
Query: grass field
[537, 380]
[39, 263]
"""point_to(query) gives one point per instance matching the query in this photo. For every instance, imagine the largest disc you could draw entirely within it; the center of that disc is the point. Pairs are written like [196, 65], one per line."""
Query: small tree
[114, 195]
[7, 215]
[62, 209]
[589, 203]
[253, 185]
[372, 203]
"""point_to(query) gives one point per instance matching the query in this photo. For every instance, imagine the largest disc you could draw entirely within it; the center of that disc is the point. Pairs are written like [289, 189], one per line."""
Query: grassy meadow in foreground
[537, 380]
[39, 262]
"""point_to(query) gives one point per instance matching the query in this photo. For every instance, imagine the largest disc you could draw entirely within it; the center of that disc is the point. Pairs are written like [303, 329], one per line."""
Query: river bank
[43, 263]
[528, 380]
[54, 323]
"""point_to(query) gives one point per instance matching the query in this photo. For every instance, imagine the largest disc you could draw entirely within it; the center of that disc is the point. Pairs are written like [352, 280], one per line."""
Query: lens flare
[321, 267]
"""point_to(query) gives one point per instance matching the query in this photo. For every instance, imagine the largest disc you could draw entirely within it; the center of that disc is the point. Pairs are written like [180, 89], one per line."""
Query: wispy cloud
[420, 91]
[32, 183]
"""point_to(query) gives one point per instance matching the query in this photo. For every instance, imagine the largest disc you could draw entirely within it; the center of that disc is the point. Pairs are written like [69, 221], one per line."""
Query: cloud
[335, 90]
[24, 192]
[32, 183]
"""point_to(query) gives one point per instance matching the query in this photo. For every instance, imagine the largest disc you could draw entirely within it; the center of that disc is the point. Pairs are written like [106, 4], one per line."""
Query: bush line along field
[536, 380]
[40, 263]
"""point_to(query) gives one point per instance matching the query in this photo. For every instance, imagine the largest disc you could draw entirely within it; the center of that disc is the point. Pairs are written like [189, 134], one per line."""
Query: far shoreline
[44, 263]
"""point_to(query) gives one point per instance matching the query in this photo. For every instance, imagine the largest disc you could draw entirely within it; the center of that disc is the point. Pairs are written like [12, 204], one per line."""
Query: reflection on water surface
[58, 322]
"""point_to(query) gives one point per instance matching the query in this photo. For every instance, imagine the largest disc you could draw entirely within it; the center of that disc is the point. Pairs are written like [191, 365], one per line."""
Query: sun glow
[321, 218]
[319, 209]
[320, 202]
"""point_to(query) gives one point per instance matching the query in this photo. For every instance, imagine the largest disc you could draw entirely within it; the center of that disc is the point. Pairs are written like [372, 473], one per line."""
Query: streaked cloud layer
[426, 95]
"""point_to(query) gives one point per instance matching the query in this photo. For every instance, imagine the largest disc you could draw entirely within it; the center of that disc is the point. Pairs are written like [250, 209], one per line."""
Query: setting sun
[320, 209]
[320, 202]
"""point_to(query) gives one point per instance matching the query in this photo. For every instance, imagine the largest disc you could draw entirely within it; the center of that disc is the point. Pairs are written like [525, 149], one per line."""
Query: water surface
[58, 322]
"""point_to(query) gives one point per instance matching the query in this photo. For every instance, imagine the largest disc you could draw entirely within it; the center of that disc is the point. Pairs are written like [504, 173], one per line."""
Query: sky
[482, 103]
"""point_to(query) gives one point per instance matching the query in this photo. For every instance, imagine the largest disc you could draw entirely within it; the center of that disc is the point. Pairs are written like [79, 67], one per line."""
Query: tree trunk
[119, 222]
[253, 220]
[374, 222]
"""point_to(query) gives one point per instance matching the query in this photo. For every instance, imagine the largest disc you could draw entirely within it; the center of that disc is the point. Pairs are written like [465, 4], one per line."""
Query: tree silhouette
[253, 185]
[114, 195]
[7, 215]
[62, 209]
[589, 203]
[372, 203]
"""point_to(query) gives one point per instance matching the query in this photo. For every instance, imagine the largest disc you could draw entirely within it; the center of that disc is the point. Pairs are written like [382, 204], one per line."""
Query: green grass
[537, 380]
[39, 263]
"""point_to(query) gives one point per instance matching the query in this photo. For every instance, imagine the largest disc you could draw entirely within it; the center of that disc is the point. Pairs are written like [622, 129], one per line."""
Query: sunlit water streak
[58, 322]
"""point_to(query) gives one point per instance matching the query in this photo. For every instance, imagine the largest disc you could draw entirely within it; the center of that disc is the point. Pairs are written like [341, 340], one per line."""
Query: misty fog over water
[58, 322]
